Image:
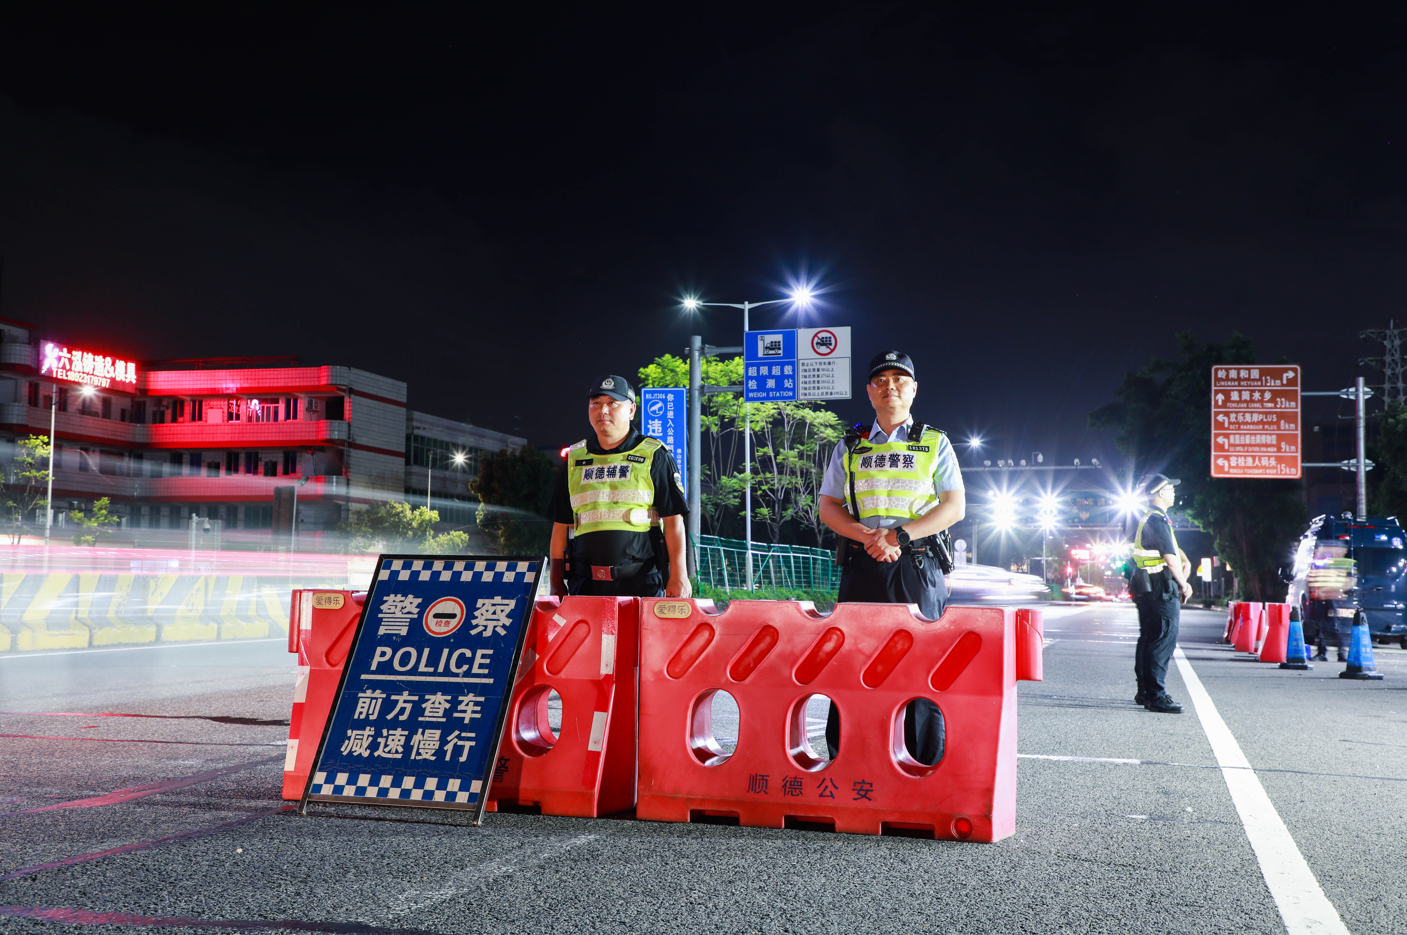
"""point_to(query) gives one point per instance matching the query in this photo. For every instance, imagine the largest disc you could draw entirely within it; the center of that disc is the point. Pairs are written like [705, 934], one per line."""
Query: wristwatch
[901, 535]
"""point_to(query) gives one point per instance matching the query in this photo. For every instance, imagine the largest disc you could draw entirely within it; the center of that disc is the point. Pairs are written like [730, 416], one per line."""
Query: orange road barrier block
[871, 660]
[321, 626]
[586, 650]
[1248, 615]
[1230, 634]
[1277, 633]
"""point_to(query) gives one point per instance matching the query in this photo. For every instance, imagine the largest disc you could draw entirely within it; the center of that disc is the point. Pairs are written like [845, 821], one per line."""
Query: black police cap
[891, 360]
[614, 386]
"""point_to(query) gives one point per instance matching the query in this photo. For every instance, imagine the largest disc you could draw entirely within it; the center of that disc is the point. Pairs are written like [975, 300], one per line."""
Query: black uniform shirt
[1157, 534]
[617, 546]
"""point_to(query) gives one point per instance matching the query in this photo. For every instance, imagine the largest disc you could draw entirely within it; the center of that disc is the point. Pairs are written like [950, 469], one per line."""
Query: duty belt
[615, 572]
[925, 546]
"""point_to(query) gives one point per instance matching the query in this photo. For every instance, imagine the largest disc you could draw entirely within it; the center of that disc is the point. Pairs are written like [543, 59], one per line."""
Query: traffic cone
[1360, 652]
[1296, 656]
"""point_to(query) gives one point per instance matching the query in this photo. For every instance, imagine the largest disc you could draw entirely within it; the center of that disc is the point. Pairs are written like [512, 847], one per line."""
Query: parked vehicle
[1343, 565]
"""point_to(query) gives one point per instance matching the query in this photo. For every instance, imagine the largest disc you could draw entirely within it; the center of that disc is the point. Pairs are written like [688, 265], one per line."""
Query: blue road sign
[769, 365]
[664, 416]
[420, 710]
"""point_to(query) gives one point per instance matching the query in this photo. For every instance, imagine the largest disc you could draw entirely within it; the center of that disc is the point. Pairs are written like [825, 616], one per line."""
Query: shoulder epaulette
[580, 444]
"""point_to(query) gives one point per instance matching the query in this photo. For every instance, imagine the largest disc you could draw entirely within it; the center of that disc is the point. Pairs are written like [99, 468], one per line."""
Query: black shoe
[1322, 656]
[1141, 698]
[1343, 657]
[1162, 703]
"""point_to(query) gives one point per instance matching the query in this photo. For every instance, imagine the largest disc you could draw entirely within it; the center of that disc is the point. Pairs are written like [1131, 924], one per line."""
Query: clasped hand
[879, 548]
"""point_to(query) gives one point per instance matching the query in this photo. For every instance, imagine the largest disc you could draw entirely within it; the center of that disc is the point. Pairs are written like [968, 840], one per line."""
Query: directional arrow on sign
[1221, 462]
[1221, 440]
[1220, 398]
[1221, 417]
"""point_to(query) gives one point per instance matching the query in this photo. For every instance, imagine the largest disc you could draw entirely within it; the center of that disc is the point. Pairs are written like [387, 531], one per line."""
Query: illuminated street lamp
[800, 296]
[458, 459]
[85, 391]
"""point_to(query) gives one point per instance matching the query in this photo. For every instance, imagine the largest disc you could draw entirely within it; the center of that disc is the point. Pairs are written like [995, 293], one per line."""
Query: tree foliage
[394, 526]
[514, 488]
[1387, 495]
[95, 525]
[24, 481]
[791, 443]
[1162, 424]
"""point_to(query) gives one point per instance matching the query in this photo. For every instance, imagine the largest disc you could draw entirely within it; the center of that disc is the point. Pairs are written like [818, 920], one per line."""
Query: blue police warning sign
[420, 710]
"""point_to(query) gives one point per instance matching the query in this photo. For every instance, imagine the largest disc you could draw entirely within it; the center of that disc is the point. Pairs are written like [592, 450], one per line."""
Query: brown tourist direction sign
[1256, 421]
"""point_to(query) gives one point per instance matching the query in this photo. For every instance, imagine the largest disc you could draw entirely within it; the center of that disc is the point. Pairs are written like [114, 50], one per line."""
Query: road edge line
[1303, 907]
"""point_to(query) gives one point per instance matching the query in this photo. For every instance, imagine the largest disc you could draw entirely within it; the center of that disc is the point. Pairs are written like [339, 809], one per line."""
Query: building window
[34, 394]
[212, 468]
[139, 411]
[107, 407]
[290, 462]
[178, 410]
[264, 410]
[138, 463]
[290, 409]
[87, 405]
[271, 469]
[85, 460]
[193, 464]
[176, 461]
[63, 399]
[112, 463]
[197, 410]
[232, 462]
[335, 407]
[258, 517]
[251, 462]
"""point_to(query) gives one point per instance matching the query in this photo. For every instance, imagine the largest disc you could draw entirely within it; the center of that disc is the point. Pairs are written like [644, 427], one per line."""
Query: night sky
[499, 208]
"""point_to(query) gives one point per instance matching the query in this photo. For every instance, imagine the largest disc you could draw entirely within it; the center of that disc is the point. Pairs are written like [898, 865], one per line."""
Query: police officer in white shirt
[887, 492]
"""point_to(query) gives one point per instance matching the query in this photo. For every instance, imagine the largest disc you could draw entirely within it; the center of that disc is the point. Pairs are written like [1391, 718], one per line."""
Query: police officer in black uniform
[618, 507]
[887, 513]
[1159, 586]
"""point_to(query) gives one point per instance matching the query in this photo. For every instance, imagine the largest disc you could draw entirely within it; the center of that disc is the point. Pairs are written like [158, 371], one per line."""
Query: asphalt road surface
[140, 790]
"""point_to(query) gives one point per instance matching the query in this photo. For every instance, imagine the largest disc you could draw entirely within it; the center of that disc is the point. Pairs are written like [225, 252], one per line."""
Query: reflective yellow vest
[612, 491]
[895, 478]
[1151, 559]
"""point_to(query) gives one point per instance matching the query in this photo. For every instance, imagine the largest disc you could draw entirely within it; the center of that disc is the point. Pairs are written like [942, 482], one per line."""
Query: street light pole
[49, 503]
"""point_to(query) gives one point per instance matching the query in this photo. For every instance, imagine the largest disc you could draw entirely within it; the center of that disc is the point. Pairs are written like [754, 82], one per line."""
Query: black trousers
[913, 579]
[649, 584]
[1158, 617]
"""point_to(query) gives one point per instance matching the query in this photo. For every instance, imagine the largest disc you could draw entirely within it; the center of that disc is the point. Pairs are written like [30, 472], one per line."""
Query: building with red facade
[230, 441]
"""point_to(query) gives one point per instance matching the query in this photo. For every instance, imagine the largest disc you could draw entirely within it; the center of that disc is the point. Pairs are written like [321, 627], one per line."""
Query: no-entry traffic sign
[1256, 421]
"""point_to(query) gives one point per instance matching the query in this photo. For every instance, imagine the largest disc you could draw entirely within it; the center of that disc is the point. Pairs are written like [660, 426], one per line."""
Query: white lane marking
[413, 900]
[1084, 759]
[1297, 894]
[128, 649]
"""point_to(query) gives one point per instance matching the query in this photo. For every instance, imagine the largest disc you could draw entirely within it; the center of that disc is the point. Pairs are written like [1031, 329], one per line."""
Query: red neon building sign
[79, 366]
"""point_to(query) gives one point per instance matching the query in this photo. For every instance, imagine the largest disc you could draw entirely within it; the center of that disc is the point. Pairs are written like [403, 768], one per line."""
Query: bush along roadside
[824, 600]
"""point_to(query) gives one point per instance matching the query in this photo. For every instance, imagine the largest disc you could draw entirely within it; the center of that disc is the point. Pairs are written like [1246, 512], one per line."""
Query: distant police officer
[887, 492]
[1159, 586]
[613, 494]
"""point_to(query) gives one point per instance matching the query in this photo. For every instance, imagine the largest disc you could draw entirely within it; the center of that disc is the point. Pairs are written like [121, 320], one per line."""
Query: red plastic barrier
[871, 660]
[1230, 634]
[320, 628]
[585, 648]
[1030, 645]
[1248, 617]
[1277, 633]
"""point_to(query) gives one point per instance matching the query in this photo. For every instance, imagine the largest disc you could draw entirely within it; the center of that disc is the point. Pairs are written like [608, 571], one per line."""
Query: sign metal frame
[1257, 417]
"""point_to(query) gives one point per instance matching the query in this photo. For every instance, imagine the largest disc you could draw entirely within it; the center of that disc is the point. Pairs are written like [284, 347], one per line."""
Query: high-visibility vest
[612, 491]
[1151, 559]
[894, 478]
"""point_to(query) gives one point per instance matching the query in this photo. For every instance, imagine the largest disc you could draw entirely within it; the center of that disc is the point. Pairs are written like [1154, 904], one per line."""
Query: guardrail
[723, 564]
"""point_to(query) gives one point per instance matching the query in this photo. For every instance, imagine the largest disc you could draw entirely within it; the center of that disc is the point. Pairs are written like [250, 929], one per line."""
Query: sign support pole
[1359, 396]
[747, 466]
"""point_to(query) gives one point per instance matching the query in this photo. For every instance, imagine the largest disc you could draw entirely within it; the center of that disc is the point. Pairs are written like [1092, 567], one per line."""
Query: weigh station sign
[1256, 421]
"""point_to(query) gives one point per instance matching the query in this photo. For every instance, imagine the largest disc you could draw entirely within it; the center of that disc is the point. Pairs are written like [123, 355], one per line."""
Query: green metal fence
[723, 564]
